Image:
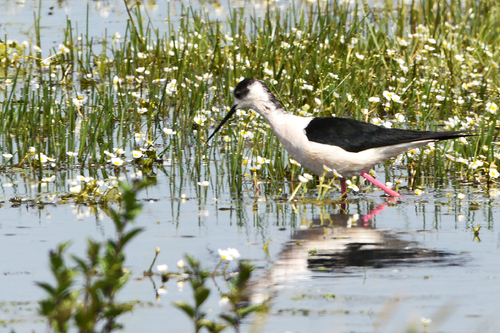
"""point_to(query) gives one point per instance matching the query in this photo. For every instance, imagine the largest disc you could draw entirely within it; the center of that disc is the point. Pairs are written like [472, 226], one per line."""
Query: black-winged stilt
[348, 146]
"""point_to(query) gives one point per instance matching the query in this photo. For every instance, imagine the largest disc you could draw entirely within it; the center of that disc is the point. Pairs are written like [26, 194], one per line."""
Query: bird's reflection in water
[342, 243]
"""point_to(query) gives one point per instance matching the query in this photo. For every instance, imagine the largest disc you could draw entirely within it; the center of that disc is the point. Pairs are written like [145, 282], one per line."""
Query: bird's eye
[238, 95]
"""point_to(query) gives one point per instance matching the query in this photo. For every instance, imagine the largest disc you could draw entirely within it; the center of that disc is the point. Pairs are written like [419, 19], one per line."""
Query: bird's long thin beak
[226, 118]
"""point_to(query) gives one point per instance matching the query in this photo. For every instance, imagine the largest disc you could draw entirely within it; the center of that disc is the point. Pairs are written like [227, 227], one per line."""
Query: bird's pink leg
[343, 189]
[380, 185]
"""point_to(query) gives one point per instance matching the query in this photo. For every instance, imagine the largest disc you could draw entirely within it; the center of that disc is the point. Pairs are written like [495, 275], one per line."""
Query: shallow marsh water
[462, 290]
[459, 293]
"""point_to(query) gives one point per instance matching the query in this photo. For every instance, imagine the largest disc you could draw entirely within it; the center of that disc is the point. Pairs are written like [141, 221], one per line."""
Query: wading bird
[349, 147]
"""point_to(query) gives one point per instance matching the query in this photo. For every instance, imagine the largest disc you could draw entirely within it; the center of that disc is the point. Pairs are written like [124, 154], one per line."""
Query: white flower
[204, 183]
[42, 158]
[109, 154]
[376, 121]
[305, 178]
[78, 101]
[294, 162]
[262, 160]
[139, 137]
[426, 321]
[116, 161]
[233, 252]
[352, 186]
[180, 264]
[387, 124]
[162, 268]
[336, 174]
[171, 87]
[359, 56]
[7, 156]
[75, 189]
[50, 179]
[229, 254]
[400, 118]
[461, 196]
[136, 175]
[169, 131]
[494, 192]
[391, 96]
[396, 98]
[491, 107]
[374, 99]
[117, 80]
[225, 304]
[224, 254]
[137, 153]
[199, 119]
[254, 167]
[476, 164]
[83, 179]
[63, 48]
[494, 173]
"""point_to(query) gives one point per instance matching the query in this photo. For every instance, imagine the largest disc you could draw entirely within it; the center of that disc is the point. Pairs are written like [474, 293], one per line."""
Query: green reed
[436, 57]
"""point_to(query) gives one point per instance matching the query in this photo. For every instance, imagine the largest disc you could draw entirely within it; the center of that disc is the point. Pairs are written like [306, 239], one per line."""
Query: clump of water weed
[93, 307]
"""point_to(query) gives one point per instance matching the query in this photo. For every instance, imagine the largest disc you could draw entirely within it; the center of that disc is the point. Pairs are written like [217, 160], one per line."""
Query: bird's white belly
[314, 156]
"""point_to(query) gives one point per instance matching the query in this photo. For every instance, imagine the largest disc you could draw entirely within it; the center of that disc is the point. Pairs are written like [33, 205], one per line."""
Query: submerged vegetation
[144, 100]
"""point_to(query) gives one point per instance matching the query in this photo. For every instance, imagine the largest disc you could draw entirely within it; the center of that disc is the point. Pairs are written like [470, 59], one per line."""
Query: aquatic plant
[145, 100]
[234, 304]
[93, 306]
[197, 279]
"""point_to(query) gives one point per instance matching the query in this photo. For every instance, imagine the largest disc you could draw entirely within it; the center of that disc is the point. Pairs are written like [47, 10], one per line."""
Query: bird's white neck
[269, 111]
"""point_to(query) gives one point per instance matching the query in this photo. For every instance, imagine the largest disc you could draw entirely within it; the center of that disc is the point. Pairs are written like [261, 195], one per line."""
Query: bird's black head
[242, 89]
[249, 94]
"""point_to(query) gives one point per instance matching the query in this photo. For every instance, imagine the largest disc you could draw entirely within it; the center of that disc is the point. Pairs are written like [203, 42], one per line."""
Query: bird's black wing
[355, 136]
